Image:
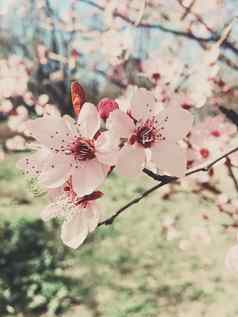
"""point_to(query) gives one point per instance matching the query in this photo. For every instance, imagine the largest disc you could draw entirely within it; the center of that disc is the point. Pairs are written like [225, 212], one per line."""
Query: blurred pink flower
[209, 138]
[16, 143]
[115, 46]
[231, 260]
[70, 149]
[149, 135]
[80, 215]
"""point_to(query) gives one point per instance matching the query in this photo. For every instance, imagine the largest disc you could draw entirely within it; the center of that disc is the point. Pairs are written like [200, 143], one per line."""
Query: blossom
[116, 46]
[80, 215]
[149, 135]
[16, 143]
[209, 138]
[163, 67]
[70, 149]
[106, 106]
[231, 260]
[17, 118]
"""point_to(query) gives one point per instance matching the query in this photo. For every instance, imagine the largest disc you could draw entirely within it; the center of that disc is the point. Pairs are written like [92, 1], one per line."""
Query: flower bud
[106, 106]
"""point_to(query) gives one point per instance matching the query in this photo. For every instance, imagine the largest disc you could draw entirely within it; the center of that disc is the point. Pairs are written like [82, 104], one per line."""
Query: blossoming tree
[170, 77]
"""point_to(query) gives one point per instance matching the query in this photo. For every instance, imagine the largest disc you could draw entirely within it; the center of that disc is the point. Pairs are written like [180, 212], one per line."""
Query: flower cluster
[74, 157]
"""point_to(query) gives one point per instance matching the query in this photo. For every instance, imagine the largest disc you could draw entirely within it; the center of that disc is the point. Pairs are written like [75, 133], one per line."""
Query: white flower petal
[93, 216]
[49, 130]
[107, 151]
[176, 123]
[88, 120]
[32, 164]
[75, 230]
[142, 104]
[56, 170]
[231, 260]
[119, 124]
[169, 158]
[71, 124]
[131, 161]
[87, 177]
[50, 212]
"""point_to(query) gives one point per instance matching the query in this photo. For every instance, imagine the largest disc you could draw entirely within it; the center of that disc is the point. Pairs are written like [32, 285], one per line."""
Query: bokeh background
[165, 256]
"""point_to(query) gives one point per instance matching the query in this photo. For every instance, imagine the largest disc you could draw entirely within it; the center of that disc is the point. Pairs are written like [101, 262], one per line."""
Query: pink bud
[204, 153]
[106, 106]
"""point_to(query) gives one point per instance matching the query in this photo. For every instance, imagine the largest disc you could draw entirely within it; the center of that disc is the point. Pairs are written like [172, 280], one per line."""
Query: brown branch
[231, 173]
[188, 10]
[164, 180]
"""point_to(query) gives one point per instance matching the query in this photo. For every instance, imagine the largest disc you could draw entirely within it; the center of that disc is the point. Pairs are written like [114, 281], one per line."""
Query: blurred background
[165, 256]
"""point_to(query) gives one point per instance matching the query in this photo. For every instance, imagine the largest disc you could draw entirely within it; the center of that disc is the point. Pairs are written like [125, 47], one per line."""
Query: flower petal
[32, 164]
[56, 170]
[71, 124]
[142, 104]
[119, 124]
[87, 177]
[75, 230]
[93, 216]
[176, 123]
[107, 151]
[231, 260]
[169, 157]
[89, 120]
[50, 212]
[49, 130]
[131, 161]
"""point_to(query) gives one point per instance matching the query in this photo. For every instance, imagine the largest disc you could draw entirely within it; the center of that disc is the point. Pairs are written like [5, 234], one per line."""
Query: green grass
[130, 269]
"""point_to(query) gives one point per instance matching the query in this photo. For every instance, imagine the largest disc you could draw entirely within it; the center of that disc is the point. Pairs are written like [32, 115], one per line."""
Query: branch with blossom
[164, 180]
[73, 158]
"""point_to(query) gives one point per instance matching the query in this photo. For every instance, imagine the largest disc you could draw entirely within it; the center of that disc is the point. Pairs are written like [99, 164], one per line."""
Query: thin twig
[231, 173]
[163, 179]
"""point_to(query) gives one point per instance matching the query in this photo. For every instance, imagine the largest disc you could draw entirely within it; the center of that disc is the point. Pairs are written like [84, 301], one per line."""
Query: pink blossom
[149, 135]
[209, 138]
[16, 143]
[231, 261]
[80, 215]
[70, 149]
[116, 46]
[163, 67]
[106, 106]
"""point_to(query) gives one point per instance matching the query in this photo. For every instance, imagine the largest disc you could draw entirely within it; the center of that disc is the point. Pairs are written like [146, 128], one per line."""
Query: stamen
[82, 149]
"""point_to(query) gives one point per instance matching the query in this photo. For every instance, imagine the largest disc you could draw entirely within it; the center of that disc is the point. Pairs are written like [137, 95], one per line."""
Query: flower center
[83, 149]
[146, 134]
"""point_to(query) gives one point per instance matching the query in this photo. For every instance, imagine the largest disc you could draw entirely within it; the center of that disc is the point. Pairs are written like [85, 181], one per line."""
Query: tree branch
[164, 180]
[231, 173]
